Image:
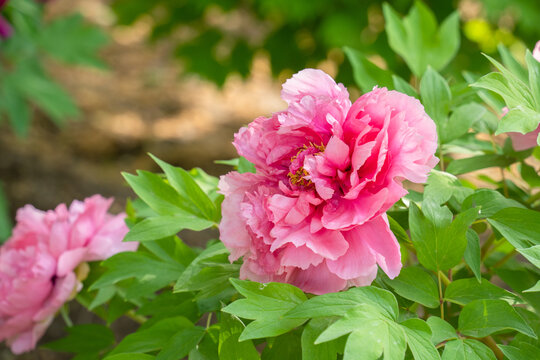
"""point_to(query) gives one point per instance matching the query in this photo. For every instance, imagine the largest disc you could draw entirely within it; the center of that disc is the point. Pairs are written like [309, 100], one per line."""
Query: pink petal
[317, 280]
[383, 244]
[358, 261]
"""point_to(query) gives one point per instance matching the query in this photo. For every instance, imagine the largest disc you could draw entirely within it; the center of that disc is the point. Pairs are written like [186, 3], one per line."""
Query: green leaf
[324, 351]
[286, 346]
[86, 338]
[366, 74]
[511, 63]
[461, 120]
[439, 247]
[79, 44]
[440, 330]
[404, 87]
[14, 105]
[337, 304]
[489, 201]
[472, 254]
[436, 97]
[532, 254]
[418, 335]
[535, 288]
[160, 196]
[533, 66]
[463, 166]
[266, 304]
[181, 343]
[518, 226]
[464, 291]
[481, 318]
[467, 349]
[371, 331]
[415, 284]
[397, 229]
[209, 272]
[167, 303]
[152, 338]
[151, 274]
[441, 186]
[189, 190]
[417, 39]
[525, 351]
[518, 87]
[229, 346]
[38, 88]
[519, 119]
[530, 175]
[156, 228]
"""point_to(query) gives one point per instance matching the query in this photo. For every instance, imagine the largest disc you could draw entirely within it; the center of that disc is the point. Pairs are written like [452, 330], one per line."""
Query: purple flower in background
[5, 28]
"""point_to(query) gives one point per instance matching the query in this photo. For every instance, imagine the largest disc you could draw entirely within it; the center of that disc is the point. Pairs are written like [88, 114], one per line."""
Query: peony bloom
[327, 171]
[38, 263]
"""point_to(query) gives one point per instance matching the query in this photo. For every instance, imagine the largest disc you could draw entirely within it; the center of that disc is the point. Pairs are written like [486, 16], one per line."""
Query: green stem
[444, 278]
[441, 301]
[488, 340]
[485, 248]
[208, 320]
[507, 257]
[137, 318]
[65, 315]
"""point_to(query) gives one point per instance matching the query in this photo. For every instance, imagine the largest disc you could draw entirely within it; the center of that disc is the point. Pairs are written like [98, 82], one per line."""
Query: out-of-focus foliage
[24, 81]
[218, 37]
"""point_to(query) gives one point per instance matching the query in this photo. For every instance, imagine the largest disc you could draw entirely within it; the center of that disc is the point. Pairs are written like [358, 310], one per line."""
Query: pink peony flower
[327, 171]
[38, 262]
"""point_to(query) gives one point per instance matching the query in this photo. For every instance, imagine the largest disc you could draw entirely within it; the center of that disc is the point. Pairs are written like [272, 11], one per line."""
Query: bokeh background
[181, 76]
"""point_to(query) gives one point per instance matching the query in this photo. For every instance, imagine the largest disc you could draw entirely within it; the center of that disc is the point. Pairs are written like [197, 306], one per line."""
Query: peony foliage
[369, 228]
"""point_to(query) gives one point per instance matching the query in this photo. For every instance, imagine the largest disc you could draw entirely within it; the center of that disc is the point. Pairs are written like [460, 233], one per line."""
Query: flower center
[297, 174]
